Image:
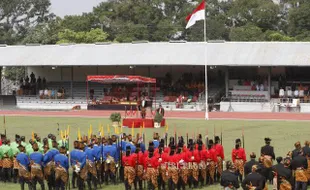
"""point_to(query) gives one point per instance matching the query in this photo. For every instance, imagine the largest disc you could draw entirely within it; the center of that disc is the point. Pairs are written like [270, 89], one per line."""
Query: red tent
[125, 79]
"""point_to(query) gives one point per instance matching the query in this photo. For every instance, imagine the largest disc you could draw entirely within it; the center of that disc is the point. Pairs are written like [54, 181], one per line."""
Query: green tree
[262, 13]
[44, 33]
[94, 35]
[248, 32]
[79, 23]
[299, 19]
[14, 73]
[130, 20]
[18, 16]
[277, 36]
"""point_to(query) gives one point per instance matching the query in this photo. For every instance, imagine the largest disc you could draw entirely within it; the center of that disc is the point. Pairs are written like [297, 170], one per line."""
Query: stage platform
[112, 107]
[119, 106]
[148, 123]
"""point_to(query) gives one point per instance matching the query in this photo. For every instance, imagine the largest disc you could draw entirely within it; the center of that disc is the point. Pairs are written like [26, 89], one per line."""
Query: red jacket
[203, 146]
[211, 155]
[174, 159]
[162, 158]
[151, 162]
[139, 158]
[192, 156]
[129, 160]
[219, 150]
[238, 154]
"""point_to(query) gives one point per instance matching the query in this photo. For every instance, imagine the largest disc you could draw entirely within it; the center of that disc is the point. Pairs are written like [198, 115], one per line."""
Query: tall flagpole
[205, 61]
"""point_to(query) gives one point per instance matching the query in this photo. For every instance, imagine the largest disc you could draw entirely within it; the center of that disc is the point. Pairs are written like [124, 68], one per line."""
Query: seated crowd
[33, 86]
[186, 89]
[121, 93]
[255, 85]
[52, 94]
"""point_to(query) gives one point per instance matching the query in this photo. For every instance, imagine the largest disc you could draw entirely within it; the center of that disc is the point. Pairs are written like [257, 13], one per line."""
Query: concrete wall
[49, 106]
[246, 106]
[304, 107]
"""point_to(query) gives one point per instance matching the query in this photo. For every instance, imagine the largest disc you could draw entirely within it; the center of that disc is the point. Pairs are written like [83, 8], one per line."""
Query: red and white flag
[197, 14]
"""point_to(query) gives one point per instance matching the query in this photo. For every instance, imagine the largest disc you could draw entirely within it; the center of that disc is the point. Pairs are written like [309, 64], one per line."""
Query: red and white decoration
[197, 14]
[120, 79]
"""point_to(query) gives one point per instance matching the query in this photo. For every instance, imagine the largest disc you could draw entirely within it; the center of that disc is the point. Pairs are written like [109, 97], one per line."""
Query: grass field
[283, 134]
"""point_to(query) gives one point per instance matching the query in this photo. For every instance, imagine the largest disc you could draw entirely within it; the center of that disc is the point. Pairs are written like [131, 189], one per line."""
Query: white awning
[190, 53]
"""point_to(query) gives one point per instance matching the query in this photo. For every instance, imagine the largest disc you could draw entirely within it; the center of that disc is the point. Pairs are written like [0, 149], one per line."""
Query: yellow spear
[132, 129]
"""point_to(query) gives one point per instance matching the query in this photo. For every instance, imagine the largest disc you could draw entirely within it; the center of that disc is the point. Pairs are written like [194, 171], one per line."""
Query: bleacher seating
[80, 92]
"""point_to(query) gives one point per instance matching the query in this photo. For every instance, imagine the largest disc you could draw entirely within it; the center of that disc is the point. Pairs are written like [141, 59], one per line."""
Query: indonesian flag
[197, 14]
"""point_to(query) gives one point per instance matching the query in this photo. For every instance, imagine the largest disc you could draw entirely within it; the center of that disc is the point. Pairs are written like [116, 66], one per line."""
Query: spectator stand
[122, 98]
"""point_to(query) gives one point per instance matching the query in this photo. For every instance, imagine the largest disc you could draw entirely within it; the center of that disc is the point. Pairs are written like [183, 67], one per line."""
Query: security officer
[267, 154]
[229, 179]
[254, 180]
[249, 164]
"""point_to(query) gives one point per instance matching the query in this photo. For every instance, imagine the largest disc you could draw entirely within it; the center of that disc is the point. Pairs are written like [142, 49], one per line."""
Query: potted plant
[157, 120]
[115, 118]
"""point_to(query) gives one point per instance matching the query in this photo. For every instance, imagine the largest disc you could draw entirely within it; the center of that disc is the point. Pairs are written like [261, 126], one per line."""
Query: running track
[168, 114]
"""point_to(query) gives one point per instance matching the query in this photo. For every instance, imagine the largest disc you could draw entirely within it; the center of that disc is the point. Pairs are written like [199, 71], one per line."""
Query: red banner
[120, 79]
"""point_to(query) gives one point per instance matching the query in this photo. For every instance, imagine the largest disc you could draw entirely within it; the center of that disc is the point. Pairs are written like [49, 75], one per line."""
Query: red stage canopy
[120, 79]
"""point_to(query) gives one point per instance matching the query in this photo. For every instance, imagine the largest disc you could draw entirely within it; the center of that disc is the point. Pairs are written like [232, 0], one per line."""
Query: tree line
[29, 21]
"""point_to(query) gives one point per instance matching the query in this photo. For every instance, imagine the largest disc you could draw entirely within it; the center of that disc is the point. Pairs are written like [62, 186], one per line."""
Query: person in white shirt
[261, 88]
[289, 92]
[46, 92]
[281, 93]
[296, 93]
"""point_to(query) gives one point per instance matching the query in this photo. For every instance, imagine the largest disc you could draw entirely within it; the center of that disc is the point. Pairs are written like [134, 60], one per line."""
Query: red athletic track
[168, 114]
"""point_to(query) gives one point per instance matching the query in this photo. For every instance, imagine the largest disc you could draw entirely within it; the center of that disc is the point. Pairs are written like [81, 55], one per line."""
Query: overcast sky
[72, 7]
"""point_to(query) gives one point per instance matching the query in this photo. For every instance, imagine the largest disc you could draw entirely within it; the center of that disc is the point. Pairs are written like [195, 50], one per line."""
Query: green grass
[283, 134]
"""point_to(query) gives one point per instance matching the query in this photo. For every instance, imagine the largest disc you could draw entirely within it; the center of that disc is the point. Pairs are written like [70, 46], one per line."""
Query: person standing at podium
[161, 110]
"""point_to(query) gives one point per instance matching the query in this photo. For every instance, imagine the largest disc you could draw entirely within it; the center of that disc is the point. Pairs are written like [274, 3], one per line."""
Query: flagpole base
[207, 115]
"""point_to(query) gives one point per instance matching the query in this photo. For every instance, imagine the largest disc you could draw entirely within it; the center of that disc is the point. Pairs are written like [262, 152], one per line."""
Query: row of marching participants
[175, 166]
[289, 172]
[34, 162]
[164, 165]
[101, 160]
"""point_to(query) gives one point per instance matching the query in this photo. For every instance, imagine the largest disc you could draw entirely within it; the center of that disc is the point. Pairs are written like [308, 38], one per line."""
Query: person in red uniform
[162, 161]
[211, 162]
[192, 157]
[150, 167]
[202, 164]
[182, 165]
[139, 159]
[173, 172]
[129, 163]
[151, 145]
[220, 158]
[239, 158]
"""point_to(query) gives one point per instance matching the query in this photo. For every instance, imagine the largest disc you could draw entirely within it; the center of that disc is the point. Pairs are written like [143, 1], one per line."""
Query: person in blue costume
[78, 161]
[36, 162]
[110, 159]
[97, 149]
[23, 170]
[156, 140]
[49, 164]
[61, 169]
[74, 174]
[91, 166]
